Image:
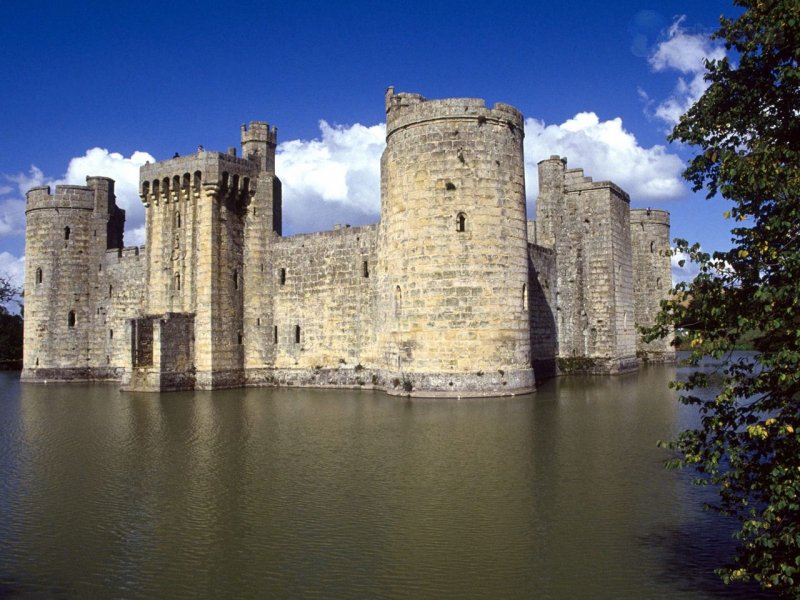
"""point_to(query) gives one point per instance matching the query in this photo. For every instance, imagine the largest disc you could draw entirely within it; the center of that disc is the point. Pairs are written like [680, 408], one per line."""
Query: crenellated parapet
[79, 197]
[406, 110]
[180, 177]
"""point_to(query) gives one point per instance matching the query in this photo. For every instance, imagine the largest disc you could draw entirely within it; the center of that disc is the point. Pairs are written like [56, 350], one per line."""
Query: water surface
[352, 494]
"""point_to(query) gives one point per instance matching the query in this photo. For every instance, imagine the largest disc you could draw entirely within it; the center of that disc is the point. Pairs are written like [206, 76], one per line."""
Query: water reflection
[256, 492]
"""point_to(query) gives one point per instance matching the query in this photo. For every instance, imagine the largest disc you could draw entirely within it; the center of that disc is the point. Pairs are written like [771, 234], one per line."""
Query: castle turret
[452, 252]
[67, 234]
[652, 277]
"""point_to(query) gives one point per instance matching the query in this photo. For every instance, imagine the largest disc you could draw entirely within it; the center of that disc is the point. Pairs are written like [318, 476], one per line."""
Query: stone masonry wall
[652, 272]
[452, 253]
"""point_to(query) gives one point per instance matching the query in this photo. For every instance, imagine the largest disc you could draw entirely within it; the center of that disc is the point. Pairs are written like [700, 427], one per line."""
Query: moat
[265, 492]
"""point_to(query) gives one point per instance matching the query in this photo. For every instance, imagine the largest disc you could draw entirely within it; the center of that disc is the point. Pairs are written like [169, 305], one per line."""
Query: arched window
[198, 178]
[524, 296]
[658, 283]
[146, 188]
[38, 276]
[461, 223]
[66, 233]
[71, 319]
[283, 276]
[297, 334]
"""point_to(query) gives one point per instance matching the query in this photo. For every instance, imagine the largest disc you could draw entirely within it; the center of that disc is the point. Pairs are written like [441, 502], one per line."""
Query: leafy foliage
[747, 127]
[10, 328]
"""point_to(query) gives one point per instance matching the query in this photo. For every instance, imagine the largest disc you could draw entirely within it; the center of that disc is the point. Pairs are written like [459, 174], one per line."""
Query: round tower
[652, 277]
[453, 250]
[60, 237]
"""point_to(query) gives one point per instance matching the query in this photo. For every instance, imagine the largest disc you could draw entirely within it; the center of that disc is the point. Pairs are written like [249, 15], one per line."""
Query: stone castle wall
[453, 293]
[652, 276]
[452, 246]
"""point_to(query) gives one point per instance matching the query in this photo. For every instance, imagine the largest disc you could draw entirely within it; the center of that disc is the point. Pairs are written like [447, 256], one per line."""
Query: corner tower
[452, 269]
[652, 277]
[66, 237]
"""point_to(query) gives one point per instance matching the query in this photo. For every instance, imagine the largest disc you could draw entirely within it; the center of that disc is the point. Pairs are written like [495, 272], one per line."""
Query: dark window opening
[258, 322]
[239, 338]
[366, 269]
[236, 279]
[275, 334]
[71, 319]
[110, 290]
[652, 246]
[461, 223]
[178, 282]
[297, 334]
[178, 220]
[283, 276]
[66, 233]
[450, 186]
[38, 276]
[111, 334]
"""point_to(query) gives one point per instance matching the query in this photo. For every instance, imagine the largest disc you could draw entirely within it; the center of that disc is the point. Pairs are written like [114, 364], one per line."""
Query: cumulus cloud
[124, 171]
[605, 150]
[686, 53]
[96, 161]
[334, 179]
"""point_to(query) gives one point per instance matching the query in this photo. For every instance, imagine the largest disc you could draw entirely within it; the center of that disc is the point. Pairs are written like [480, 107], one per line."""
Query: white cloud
[686, 53]
[97, 161]
[606, 151]
[682, 272]
[335, 179]
[124, 171]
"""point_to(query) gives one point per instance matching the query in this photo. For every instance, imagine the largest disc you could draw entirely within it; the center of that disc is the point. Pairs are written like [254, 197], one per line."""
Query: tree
[10, 327]
[747, 128]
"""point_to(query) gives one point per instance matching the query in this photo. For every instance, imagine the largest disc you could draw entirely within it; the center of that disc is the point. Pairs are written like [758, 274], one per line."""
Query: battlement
[79, 197]
[651, 216]
[405, 110]
[202, 169]
[259, 131]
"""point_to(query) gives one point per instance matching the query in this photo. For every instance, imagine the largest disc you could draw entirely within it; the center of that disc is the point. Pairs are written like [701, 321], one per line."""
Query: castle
[453, 293]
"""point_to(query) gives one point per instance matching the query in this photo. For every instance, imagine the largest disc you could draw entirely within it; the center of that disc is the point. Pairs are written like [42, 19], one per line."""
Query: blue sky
[99, 87]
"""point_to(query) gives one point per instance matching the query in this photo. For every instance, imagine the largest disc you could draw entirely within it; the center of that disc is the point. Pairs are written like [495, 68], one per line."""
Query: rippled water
[309, 493]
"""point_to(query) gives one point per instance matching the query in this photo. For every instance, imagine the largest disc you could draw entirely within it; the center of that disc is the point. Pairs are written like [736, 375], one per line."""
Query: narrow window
[658, 283]
[178, 282]
[283, 276]
[236, 279]
[275, 334]
[177, 220]
[398, 300]
[111, 334]
[652, 246]
[38, 276]
[366, 269]
[66, 233]
[297, 334]
[71, 319]
[110, 290]
[258, 322]
[239, 338]
[99, 268]
[524, 296]
[461, 223]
